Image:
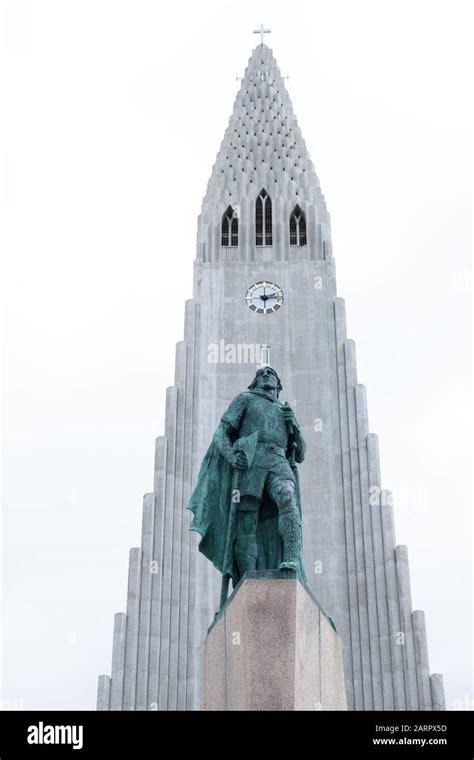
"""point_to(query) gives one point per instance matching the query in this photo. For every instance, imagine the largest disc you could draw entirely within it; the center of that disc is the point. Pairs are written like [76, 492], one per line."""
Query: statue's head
[266, 379]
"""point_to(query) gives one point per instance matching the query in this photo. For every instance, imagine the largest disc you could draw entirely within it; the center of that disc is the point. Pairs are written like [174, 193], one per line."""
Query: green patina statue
[246, 504]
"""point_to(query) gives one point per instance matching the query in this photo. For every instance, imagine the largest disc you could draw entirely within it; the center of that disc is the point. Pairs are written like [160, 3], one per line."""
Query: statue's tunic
[252, 411]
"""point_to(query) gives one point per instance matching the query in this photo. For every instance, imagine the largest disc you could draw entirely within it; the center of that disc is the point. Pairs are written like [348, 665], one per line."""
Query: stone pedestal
[272, 648]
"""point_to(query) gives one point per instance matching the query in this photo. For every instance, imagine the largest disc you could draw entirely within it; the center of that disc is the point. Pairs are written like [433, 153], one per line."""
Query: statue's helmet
[259, 372]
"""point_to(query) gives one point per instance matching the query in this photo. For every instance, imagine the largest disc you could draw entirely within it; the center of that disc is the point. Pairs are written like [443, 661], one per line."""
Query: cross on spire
[261, 32]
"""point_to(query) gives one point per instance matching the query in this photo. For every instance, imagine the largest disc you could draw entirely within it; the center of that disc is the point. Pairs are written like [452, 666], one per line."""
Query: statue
[246, 503]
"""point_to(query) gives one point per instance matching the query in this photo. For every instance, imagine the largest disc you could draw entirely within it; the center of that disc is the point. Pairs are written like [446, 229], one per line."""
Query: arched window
[297, 227]
[263, 219]
[230, 228]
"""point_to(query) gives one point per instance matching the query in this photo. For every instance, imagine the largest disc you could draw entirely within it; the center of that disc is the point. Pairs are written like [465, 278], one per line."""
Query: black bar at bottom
[166, 734]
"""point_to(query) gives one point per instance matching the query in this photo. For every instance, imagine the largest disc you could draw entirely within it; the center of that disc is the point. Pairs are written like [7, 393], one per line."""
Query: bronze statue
[246, 503]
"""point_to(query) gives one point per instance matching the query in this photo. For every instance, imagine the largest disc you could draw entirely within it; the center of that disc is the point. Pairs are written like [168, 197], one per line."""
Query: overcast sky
[112, 114]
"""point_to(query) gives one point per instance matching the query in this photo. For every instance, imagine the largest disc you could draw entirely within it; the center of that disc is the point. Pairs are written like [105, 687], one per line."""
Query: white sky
[112, 114]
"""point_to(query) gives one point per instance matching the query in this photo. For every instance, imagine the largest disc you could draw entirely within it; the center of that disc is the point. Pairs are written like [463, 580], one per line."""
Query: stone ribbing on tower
[348, 519]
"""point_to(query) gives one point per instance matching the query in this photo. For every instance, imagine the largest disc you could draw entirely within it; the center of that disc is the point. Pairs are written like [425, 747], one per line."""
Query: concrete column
[144, 632]
[352, 651]
[379, 568]
[133, 614]
[374, 640]
[170, 427]
[178, 509]
[360, 560]
[118, 661]
[192, 629]
[328, 539]
[422, 663]
[386, 511]
[184, 645]
[157, 573]
[103, 693]
[437, 692]
[404, 596]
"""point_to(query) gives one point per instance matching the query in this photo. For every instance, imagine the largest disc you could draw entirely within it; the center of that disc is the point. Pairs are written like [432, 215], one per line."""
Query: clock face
[264, 297]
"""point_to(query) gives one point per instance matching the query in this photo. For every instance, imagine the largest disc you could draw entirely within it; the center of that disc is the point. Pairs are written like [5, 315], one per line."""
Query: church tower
[264, 229]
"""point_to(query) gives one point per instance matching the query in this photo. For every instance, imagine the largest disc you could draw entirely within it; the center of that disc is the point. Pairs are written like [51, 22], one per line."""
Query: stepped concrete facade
[354, 566]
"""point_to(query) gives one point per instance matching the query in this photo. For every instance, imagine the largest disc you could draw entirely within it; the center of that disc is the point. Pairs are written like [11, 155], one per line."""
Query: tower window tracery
[230, 228]
[297, 227]
[263, 219]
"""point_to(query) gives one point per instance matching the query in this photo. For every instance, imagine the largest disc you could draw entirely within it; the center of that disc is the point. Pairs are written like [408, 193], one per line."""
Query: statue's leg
[246, 535]
[282, 491]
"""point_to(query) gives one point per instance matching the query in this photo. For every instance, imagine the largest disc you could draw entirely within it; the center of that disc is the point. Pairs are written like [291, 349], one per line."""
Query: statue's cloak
[214, 515]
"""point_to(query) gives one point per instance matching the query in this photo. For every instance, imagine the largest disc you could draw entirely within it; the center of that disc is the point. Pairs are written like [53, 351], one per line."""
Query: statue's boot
[289, 526]
[246, 553]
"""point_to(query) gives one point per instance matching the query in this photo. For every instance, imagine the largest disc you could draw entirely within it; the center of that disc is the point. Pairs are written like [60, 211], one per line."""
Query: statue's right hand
[240, 460]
